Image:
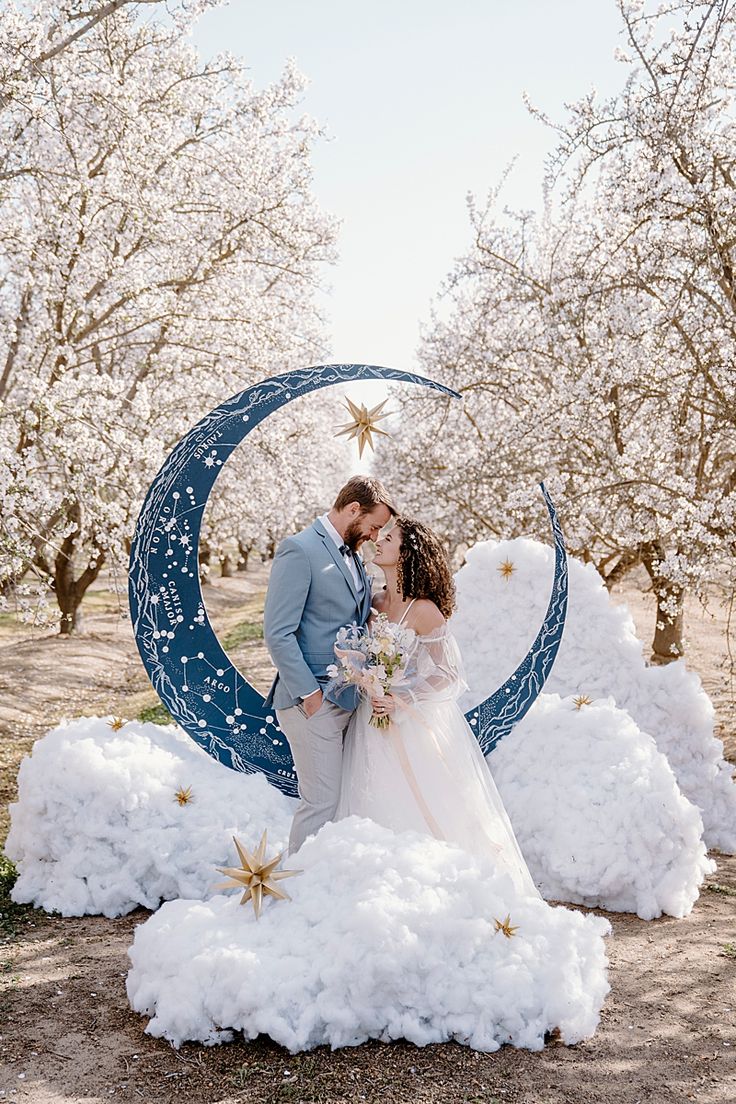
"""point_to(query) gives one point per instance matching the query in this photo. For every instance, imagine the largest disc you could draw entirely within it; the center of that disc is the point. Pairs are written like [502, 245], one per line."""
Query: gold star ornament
[581, 700]
[184, 796]
[363, 424]
[116, 723]
[256, 876]
[505, 926]
[506, 569]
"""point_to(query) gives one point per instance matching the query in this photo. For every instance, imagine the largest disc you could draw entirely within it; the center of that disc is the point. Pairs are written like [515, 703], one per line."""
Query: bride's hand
[386, 704]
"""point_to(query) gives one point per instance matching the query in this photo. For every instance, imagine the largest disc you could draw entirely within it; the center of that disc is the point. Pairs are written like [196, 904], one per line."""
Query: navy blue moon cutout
[188, 668]
[496, 716]
[185, 662]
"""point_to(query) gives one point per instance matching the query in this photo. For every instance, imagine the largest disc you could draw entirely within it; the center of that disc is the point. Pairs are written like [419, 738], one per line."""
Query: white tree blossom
[595, 343]
[162, 246]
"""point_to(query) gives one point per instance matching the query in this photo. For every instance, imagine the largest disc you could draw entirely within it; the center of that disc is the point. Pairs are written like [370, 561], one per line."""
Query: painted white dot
[156, 635]
[238, 712]
[190, 490]
[180, 617]
[165, 648]
[191, 626]
[262, 731]
[206, 697]
[176, 495]
[246, 417]
[220, 671]
[269, 718]
[185, 659]
[200, 655]
[230, 719]
[202, 724]
[185, 689]
[164, 576]
[184, 571]
[275, 743]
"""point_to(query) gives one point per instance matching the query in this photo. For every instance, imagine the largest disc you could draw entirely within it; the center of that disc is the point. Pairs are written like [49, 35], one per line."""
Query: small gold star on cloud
[256, 876]
[506, 927]
[116, 723]
[184, 796]
[506, 569]
[363, 424]
[581, 700]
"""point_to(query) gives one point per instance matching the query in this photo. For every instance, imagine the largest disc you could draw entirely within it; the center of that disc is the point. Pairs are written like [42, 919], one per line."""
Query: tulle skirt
[427, 773]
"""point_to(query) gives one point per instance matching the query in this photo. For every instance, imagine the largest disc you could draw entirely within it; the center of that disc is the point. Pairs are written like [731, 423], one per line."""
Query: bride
[425, 771]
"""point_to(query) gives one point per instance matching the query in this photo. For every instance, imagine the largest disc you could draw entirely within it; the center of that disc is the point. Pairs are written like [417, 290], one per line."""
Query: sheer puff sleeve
[434, 670]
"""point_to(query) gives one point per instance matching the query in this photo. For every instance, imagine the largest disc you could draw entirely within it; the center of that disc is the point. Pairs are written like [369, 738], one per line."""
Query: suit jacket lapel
[339, 560]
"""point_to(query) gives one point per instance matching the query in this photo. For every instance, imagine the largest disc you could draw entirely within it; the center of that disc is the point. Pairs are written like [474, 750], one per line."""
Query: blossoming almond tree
[595, 345]
[161, 250]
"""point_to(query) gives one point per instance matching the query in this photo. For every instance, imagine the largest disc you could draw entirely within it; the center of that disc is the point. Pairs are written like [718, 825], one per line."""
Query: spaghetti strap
[401, 622]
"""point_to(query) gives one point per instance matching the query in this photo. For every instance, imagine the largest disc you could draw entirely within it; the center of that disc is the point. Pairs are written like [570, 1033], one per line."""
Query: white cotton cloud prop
[387, 936]
[597, 811]
[600, 656]
[97, 827]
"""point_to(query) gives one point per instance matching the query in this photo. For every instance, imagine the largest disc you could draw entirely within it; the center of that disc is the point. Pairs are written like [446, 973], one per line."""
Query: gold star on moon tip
[256, 876]
[506, 927]
[184, 796]
[506, 569]
[581, 700]
[363, 424]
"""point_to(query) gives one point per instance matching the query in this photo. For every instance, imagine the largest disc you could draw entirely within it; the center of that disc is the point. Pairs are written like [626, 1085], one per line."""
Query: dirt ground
[668, 1027]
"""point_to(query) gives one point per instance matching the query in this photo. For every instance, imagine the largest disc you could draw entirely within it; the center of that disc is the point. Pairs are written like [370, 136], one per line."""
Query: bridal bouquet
[372, 659]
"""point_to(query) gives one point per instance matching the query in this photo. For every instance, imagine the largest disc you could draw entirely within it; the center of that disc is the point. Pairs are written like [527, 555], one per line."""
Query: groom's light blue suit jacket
[311, 594]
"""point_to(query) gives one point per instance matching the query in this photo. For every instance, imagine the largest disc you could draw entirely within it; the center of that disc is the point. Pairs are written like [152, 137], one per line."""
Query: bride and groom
[425, 770]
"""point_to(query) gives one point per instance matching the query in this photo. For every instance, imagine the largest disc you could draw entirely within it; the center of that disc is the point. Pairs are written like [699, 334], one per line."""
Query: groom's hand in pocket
[312, 703]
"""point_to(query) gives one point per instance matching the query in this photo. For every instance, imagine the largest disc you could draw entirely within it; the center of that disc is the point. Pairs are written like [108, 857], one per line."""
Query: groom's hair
[367, 492]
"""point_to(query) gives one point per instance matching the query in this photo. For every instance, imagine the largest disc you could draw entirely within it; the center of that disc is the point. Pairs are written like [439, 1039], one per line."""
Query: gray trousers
[316, 746]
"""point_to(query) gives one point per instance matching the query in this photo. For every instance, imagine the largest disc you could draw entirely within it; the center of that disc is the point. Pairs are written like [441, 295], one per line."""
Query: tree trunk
[667, 644]
[70, 591]
[226, 567]
[205, 555]
[245, 551]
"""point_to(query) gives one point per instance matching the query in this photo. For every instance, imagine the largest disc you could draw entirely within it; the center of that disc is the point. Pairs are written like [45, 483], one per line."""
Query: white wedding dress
[426, 772]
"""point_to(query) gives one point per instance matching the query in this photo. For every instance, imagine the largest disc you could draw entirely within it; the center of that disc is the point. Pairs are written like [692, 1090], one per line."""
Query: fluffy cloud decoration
[97, 827]
[600, 657]
[597, 811]
[387, 936]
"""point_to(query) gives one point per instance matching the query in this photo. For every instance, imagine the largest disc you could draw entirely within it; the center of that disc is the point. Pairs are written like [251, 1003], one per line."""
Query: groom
[317, 585]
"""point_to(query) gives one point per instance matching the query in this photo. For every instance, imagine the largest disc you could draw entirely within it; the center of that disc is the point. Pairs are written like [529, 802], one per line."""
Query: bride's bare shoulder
[425, 616]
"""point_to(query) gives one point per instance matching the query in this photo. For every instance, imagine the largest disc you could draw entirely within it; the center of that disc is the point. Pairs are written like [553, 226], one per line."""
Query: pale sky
[423, 100]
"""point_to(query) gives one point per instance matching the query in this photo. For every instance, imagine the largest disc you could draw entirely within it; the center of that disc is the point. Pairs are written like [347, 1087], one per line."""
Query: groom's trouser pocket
[316, 747]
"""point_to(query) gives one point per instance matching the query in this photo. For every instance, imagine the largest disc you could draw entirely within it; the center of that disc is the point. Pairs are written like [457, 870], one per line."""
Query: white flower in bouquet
[372, 659]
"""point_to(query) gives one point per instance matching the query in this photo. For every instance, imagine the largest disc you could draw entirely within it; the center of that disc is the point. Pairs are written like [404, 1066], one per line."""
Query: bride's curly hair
[422, 570]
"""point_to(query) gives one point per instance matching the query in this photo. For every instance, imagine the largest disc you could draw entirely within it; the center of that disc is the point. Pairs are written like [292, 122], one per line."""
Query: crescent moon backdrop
[185, 661]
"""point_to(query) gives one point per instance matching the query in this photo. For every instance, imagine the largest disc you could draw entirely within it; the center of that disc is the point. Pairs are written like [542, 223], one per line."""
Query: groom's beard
[354, 536]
